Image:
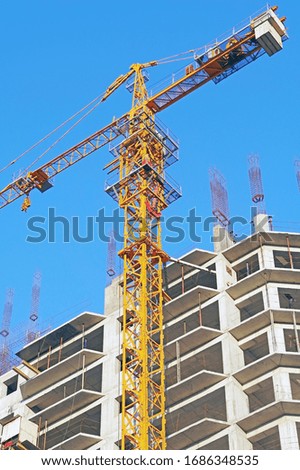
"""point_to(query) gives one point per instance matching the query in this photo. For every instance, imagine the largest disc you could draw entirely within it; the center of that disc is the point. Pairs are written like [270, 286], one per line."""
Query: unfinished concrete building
[232, 358]
[228, 330]
[232, 347]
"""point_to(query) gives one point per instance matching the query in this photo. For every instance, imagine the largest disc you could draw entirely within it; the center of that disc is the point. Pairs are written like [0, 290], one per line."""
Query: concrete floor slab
[191, 435]
[187, 301]
[66, 407]
[197, 257]
[269, 413]
[263, 319]
[260, 278]
[66, 331]
[79, 441]
[265, 238]
[191, 340]
[59, 371]
[266, 364]
[192, 385]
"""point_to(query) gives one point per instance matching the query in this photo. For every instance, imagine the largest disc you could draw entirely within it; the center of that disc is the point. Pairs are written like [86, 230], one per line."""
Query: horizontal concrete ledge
[183, 303]
[261, 277]
[265, 365]
[188, 300]
[266, 238]
[197, 257]
[29, 445]
[191, 340]
[192, 385]
[66, 407]
[6, 418]
[67, 331]
[193, 434]
[263, 319]
[79, 441]
[269, 413]
[59, 371]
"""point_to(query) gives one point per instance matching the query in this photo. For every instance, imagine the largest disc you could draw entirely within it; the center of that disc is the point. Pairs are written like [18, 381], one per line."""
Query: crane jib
[222, 59]
[217, 63]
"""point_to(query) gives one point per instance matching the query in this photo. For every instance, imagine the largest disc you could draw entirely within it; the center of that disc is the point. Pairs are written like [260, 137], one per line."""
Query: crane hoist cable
[32, 147]
[102, 97]
[62, 136]
[177, 57]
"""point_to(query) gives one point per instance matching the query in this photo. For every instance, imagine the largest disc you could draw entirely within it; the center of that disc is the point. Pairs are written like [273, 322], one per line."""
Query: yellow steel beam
[21, 373]
[31, 367]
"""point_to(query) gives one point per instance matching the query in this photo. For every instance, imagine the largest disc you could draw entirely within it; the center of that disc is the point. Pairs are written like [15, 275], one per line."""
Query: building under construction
[195, 353]
[232, 356]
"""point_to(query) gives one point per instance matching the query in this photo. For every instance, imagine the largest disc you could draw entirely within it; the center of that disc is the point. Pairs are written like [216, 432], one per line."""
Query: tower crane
[141, 187]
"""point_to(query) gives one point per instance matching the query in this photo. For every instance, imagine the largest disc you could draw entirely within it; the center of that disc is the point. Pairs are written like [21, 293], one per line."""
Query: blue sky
[57, 55]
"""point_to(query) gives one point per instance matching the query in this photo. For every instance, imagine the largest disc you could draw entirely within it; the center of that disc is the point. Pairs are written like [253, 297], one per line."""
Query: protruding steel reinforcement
[5, 331]
[256, 186]
[219, 197]
[297, 167]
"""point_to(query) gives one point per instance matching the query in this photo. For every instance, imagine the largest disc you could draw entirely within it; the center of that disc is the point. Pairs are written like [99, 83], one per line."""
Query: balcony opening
[295, 386]
[209, 359]
[247, 267]
[287, 260]
[298, 432]
[289, 298]
[296, 259]
[260, 394]
[188, 282]
[92, 381]
[219, 444]
[207, 317]
[290, 340]
[251, 306]
[11, 385]
[211, 406]
[256, 349]
[92, 340]
[281, 259]
[268, 440]
[86, 423]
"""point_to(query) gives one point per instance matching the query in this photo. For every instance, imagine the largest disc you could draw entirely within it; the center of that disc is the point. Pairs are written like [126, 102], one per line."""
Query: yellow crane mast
[141, 187]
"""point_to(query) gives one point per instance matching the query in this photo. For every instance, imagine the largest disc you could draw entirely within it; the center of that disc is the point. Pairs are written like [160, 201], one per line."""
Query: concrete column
[111, 386]
[113, 297]
[229, 313]
[226, 276]
[276, 339]
[221, 238]
[272, 296]
[288, 435]
[109, 423]
[237, 403]
[233, 357]
[268, 258]
[238, 439]
[3, 389]
[261, 223]
[282, 385]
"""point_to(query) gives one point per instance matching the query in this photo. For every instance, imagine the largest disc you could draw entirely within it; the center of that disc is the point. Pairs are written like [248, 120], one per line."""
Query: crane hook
[26, 204]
